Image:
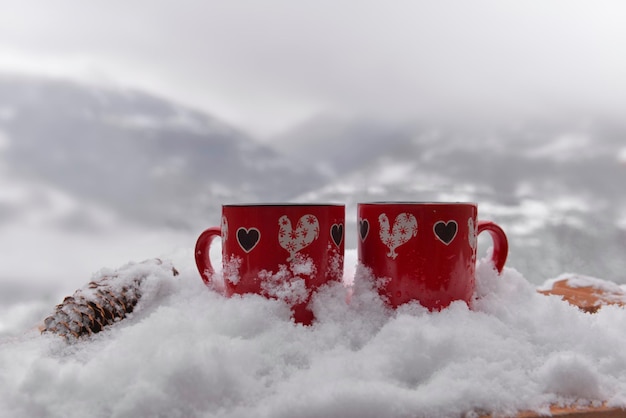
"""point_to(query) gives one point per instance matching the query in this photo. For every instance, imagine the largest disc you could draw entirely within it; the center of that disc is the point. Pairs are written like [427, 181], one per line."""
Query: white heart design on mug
[404, 228]
[294, 240]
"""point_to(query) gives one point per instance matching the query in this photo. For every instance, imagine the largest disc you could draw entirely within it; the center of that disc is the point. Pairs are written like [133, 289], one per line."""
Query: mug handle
[203, 261]
[500, 243]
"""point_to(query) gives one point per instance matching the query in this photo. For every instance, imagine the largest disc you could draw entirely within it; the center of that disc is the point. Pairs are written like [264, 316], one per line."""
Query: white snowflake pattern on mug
[404, 228]
[471, 234]
[293, 240]
[224, 229]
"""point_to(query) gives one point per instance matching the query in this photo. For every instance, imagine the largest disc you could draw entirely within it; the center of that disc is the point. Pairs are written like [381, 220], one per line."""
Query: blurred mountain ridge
[143, 157]
[83, 156]
[555, 185]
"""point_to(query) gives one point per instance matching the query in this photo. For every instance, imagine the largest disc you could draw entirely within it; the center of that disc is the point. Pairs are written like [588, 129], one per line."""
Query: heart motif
[364, 228]
[293, 240]
[404, 228]
[248, 238]
[336, 232]
[445, 231]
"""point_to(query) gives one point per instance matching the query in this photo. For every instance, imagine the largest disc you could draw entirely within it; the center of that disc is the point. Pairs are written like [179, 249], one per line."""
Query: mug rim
[417, 203]
[282, 204]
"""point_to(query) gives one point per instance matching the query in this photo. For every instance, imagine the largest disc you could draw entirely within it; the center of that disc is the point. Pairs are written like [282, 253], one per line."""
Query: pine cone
[104, 301]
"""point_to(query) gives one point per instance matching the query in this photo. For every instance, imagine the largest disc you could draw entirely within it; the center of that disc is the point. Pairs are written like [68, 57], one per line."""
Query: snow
[173, 118]
[187, 351]
[532, 215]
[283, 285]
[564, 147]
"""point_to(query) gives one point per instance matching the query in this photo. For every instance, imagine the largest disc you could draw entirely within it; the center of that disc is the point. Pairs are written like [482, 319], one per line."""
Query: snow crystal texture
[186, 351]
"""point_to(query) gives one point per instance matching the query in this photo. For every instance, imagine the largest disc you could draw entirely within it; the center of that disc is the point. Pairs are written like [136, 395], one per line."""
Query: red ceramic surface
[273, 249]
[425, 251]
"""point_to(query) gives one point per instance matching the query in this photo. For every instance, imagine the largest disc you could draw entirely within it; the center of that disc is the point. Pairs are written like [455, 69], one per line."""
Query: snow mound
[191, 352]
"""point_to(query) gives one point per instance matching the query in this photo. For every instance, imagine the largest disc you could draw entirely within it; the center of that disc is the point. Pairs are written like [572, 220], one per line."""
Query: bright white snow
[189, 352]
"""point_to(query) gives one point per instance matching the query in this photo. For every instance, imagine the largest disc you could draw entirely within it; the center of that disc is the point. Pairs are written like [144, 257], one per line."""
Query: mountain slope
[143, 157]
[556, 186]
[85, 158]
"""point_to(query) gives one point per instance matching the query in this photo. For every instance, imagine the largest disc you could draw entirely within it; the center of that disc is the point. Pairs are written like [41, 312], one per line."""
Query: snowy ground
[41, 264]
[188, 352]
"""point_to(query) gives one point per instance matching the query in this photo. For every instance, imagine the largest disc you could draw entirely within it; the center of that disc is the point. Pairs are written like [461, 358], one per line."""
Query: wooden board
[596, 412]
[587, 298]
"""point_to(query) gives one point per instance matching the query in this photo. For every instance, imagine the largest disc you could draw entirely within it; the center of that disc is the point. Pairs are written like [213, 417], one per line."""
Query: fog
[267, 66]
[124, 126]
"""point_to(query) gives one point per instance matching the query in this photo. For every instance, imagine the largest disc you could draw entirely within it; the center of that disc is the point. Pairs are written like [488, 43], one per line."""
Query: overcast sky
[265, 65]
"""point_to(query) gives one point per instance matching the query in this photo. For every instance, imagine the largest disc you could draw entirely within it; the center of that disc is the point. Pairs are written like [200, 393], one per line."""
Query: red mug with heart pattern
[283, 251]
[424, 251]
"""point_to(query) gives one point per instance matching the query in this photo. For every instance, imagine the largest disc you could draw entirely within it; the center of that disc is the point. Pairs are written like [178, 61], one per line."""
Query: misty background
[125, 126]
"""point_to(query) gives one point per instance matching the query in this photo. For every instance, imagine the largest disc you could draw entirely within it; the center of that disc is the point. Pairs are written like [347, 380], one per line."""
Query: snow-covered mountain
[86, 158]
[556, 186]
[141, 157]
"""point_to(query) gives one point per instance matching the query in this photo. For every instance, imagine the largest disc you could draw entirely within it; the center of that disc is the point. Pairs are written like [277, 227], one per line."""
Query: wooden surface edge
[578, 412]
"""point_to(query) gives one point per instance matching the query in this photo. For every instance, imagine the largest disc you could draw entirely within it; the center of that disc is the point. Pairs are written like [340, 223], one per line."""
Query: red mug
[424, 251]
[283, 251]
